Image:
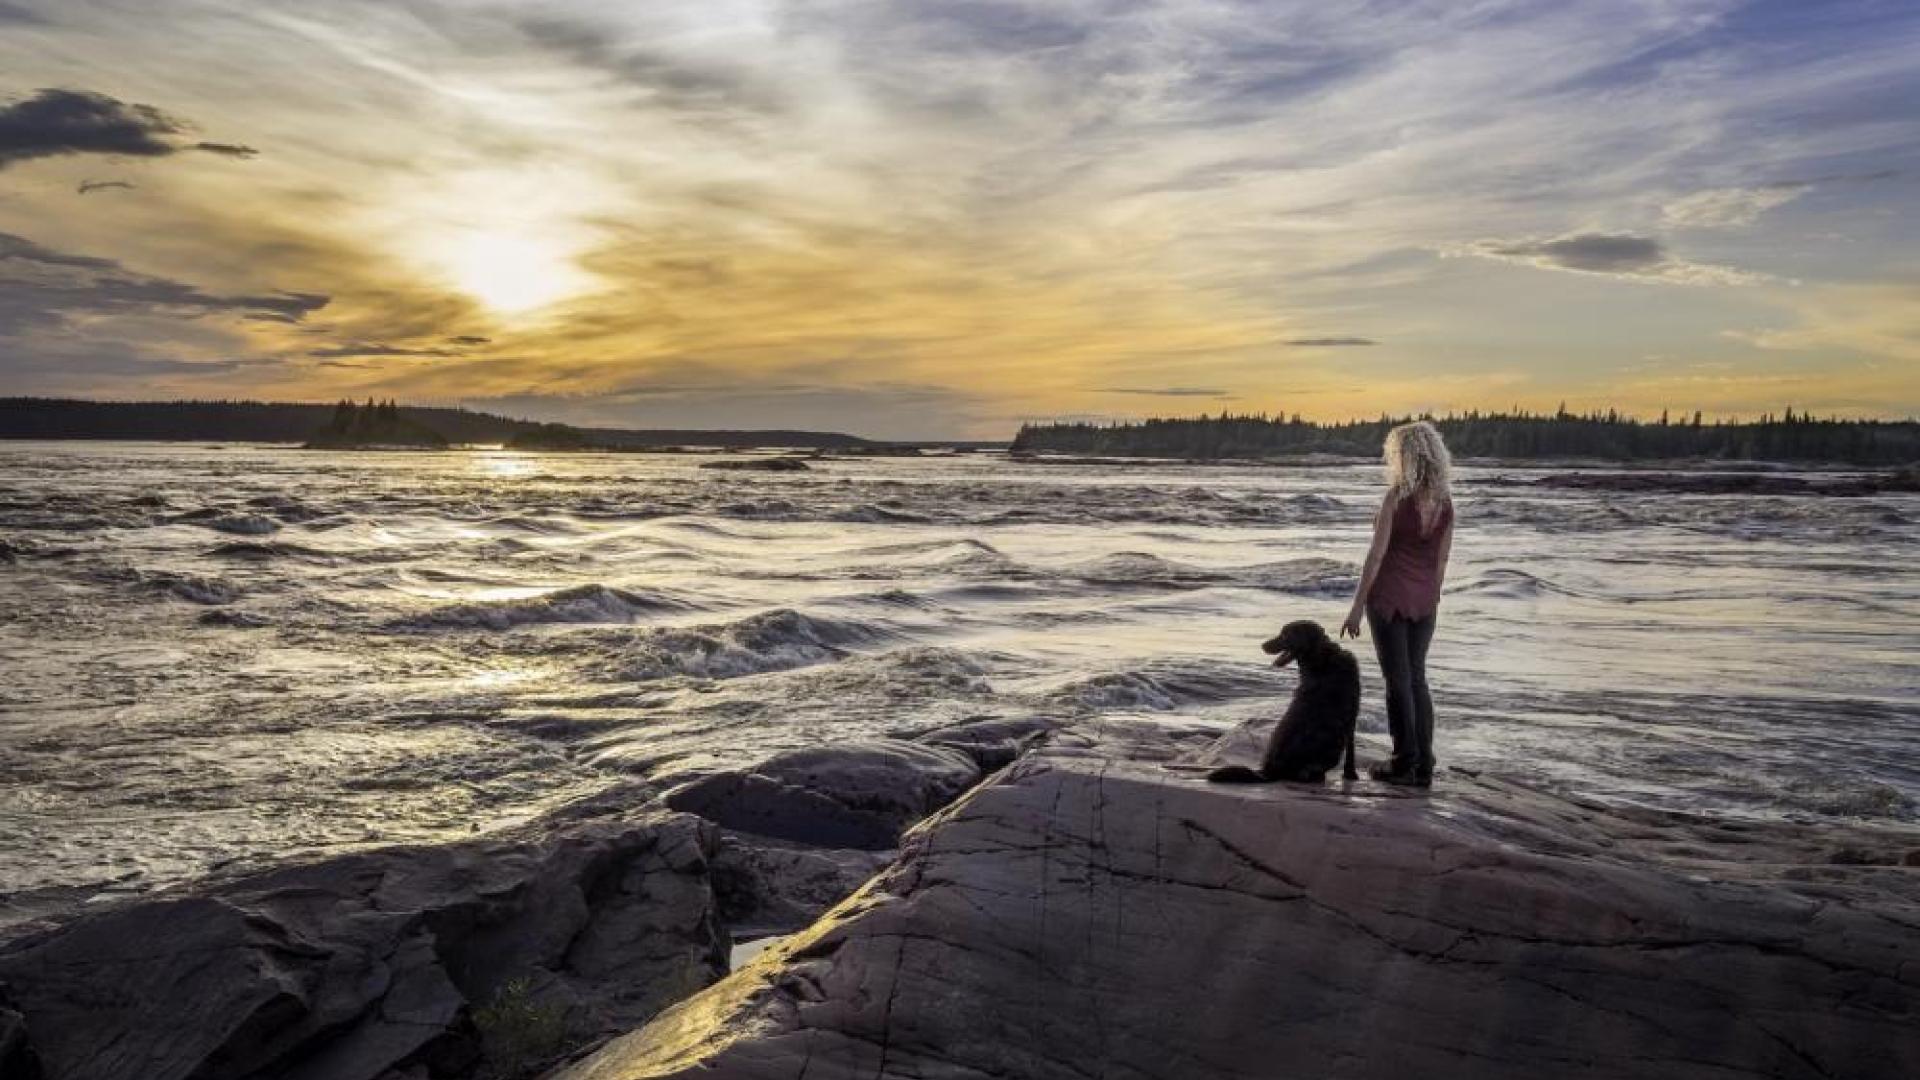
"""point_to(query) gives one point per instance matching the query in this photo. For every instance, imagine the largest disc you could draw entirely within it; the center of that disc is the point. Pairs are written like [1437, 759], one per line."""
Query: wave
[912, 673]
[239, 620]
[1308, 575]
[579, 604]
[777, 640]
[705, 528]
[13, 549]
[193, 588]
[243, 524]
[268, 551]
[286, 508]
[988, 591]
[1509, 584]
[1166, 686]
[880, 514]
[1141, 569]
[1849, 797]
[897, 598]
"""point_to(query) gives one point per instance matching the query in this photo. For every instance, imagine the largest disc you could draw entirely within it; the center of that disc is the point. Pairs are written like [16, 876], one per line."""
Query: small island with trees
[374, 426]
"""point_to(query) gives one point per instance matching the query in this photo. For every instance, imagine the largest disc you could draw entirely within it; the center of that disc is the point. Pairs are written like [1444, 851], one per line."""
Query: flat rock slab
[1082, 917]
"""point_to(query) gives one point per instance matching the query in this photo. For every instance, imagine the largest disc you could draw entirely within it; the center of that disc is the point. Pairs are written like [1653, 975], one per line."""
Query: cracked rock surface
[367, 963]
[1082, 916]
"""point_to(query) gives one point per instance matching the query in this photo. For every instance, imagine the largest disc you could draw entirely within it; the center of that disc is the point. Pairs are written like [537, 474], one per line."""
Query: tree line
[1788, 436]
[377, 421]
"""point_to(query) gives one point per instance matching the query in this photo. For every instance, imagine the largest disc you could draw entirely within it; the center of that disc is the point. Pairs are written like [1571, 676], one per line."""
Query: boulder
[491, 954]
[859, 795]
[1078, 917]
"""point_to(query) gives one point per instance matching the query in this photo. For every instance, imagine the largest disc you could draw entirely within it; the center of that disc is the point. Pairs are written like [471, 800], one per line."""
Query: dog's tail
[1235, 774]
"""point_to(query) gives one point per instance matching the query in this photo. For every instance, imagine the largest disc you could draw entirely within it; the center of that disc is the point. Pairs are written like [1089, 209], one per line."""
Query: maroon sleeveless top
[1408, 584]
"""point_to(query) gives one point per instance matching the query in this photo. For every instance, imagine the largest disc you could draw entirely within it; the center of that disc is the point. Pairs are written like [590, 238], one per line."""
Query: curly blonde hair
[1418, 466]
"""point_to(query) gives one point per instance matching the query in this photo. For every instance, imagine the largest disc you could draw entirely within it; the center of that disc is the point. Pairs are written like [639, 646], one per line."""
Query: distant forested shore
[1788, 437]
[341, 424]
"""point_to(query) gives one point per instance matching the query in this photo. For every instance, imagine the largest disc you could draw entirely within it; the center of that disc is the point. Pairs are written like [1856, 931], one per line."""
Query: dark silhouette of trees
[381, 424]
[1514, 434]
[285, 422]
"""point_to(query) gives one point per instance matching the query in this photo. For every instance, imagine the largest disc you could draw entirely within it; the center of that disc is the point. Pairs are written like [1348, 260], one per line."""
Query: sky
[906, 218]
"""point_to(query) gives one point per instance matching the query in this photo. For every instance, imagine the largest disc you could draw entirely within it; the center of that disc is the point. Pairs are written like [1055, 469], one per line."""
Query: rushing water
[216, 653]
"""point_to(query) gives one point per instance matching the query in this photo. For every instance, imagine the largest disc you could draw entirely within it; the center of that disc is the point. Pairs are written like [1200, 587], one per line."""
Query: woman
[1400, 592]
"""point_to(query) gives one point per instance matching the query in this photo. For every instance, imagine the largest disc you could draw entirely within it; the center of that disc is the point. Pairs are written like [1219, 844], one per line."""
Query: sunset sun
[513, 273]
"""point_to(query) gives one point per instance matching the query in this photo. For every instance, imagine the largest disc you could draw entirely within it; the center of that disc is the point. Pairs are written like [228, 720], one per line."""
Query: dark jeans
[1401, 644]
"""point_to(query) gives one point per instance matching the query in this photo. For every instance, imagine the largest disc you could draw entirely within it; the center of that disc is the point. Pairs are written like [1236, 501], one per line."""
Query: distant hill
[287, 422]
[1519, 436]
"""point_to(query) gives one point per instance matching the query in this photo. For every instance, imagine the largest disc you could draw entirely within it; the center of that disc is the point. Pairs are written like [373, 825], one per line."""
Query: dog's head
[1296, 640]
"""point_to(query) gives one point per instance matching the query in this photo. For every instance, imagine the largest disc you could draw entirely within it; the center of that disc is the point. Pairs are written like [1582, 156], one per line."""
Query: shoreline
[886, 451]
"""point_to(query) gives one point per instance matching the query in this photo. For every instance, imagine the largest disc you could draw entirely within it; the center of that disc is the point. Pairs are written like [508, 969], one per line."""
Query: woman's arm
[1382, 532]
[1446, 552]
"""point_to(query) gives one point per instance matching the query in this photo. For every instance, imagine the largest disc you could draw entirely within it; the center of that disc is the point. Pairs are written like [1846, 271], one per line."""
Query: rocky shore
[1092, 909]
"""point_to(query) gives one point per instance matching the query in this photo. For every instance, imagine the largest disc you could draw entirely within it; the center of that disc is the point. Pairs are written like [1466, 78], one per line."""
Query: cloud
[469, 340]
[1728, 208]
[677, 81]
[1166, 391]
[21, 250]
[370, 349]
[1616, 255]
[40, 287]
[1331, 342]
[232, 150]
[1877, 319]
[56, 123]
[1738, 207]
[83, 368]
[88, 187]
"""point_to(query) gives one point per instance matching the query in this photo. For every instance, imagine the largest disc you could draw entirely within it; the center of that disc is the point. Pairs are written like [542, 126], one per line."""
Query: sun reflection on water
[504, 464]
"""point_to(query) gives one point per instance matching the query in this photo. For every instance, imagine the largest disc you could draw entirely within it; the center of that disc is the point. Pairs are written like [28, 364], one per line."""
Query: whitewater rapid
[241, 653]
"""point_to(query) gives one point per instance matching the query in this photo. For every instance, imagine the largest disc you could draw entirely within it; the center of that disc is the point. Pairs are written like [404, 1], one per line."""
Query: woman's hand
[1351, 628]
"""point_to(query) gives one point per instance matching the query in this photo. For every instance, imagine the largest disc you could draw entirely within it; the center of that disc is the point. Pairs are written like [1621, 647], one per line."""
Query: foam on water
[257, 652]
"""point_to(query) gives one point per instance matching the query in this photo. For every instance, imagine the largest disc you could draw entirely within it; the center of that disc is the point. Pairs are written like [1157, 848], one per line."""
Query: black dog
[1318, 725]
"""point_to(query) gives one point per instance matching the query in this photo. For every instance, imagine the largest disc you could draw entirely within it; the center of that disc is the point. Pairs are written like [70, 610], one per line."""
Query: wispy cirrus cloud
[1728, 208]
